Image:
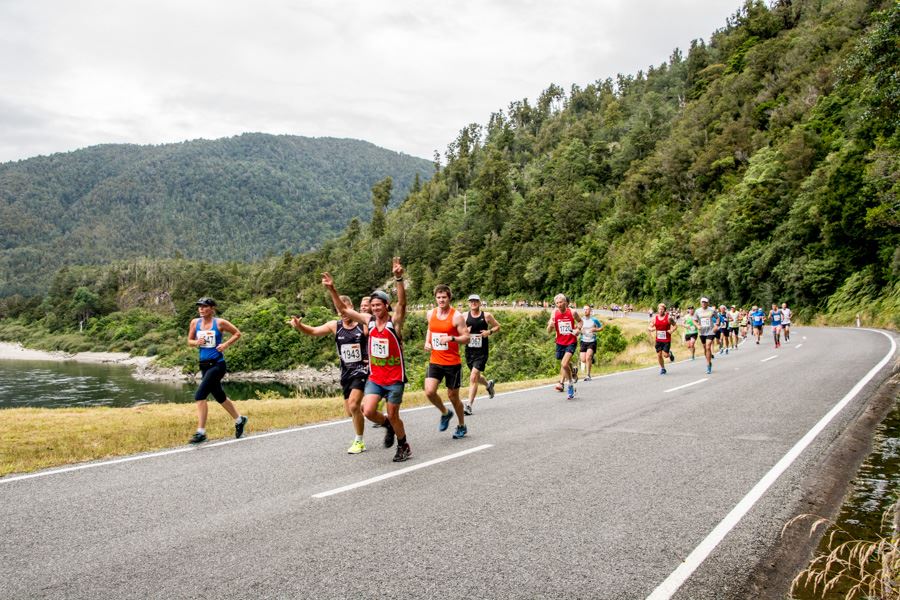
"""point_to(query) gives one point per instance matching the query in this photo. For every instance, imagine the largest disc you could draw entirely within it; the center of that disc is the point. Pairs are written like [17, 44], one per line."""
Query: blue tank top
[758, 317]
[776, 317]
[211, 338]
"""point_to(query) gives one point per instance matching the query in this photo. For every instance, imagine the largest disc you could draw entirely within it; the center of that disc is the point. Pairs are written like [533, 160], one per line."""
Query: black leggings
[212, 382]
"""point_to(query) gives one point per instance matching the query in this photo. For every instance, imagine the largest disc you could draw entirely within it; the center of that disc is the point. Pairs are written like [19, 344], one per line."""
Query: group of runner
[369, 345]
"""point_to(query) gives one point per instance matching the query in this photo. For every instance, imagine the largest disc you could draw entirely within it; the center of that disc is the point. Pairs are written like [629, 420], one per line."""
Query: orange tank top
[446, 354]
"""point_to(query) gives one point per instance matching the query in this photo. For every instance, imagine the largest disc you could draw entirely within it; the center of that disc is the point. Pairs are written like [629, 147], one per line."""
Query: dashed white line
[398, 472]
[770, 358]
[681, 387]
[798, 345]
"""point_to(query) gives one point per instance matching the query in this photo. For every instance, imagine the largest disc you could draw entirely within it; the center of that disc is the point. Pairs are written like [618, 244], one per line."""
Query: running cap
[733, 306]
[704, 299]
[380, 295]
[204, 301]
[475, 297]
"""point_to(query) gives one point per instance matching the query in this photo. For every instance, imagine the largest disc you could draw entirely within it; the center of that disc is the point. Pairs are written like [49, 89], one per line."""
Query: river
[48, 384]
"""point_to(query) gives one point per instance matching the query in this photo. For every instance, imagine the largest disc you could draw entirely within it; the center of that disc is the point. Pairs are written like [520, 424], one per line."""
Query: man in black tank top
[352, 349]
[481, 326]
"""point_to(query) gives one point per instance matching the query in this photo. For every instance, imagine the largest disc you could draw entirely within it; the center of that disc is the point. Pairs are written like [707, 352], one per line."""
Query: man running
[691, 330]
[775, 316]
[744, 323]
[387, 369]
[446, 331]
[662, 326]
[205, 334]
[481, 325]
[734, 319]
[758, 319]
[786, 321]
[589, 327]
[706, 316]
[565, 322]
[350, 337]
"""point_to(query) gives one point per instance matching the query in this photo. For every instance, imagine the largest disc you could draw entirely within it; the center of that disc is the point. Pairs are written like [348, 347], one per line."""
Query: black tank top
[476, 326]
[352, 348]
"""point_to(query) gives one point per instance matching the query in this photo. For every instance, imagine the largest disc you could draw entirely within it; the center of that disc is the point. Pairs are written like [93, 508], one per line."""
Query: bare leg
[353, 405]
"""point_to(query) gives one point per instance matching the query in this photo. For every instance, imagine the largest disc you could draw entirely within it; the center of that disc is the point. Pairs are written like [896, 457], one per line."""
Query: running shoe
[571, 392]
[445, 420]
[559, 387]
[197, 438]
[490, 388]
[461, 431]
[403, 452]
[357, 447]
[671, 357]
[708, 369]
[388, 434]
[239, 427]
[662, 371]
[467, 408]
[726, 350]
[588, 378]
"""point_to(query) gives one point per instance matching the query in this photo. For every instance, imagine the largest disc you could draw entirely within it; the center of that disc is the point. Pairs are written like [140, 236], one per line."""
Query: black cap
[383, 297]
[204, 301]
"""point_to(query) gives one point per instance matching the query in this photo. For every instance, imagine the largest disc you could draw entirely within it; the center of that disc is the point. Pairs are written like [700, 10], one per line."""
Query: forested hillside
[759, 166]
[231, 199]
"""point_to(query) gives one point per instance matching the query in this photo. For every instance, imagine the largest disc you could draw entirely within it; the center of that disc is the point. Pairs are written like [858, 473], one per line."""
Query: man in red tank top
[566, 323]
[446, 331]
[661, 328]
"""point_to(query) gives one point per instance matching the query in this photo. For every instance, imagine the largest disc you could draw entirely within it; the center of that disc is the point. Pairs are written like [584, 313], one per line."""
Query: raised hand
[327, 280]
[397, 268]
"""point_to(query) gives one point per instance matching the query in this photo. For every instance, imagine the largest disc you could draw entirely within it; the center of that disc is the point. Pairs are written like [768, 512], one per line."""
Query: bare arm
[318, 331]
[192, 334]
[462, 332]
[234, 331]
[400, 313]
[495, 325]
[347, 313]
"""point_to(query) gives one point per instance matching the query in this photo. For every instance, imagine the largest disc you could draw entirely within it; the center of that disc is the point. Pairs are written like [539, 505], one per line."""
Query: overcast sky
[403, 74]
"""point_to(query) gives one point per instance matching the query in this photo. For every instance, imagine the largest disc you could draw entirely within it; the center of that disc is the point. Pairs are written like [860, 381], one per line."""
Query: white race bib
[475, 340]
[705, 322]
[207, 338]
[661, 334]
[351, 353]
[436, 342]
[565, 327]
[380, 347]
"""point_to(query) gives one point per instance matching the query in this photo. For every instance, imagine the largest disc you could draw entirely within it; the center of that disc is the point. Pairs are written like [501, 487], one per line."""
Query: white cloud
[401, 74]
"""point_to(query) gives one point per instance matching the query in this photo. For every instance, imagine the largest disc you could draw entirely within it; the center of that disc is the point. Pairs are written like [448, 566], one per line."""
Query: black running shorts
[451, 373]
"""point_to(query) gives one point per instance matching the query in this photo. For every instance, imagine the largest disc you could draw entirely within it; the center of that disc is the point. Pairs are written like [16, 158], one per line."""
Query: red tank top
[565, 327]
[386, 365]
[662, 328]
[446, 354]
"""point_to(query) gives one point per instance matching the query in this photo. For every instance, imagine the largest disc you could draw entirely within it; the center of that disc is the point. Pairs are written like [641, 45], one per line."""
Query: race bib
[661, 334]
[475, 340]
[351, 353]
[380, 347]
[436, 342]
[705, 322]
[207, 338]
[565, 327]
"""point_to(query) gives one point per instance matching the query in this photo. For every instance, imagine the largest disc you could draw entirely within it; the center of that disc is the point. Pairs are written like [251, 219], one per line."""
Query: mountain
[239, 198]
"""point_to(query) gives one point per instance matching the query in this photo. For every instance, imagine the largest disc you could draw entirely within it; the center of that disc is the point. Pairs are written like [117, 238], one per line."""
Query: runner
[691, 331]
[589, 328]
[662, 326]
[351, 342]
[481, 325]
[387, 369]
[705, 315]
[734, 318]
[446, 331]
[758, 319]
[775, 316]
[744, 323]
[722, 329]
[564, 322]
[786, 321]
[205, 334]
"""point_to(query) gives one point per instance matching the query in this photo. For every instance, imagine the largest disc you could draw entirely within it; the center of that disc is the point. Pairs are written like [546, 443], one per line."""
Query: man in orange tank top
[446, 331]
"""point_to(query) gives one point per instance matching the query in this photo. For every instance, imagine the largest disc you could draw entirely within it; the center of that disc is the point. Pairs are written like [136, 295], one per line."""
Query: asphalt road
[603, 496]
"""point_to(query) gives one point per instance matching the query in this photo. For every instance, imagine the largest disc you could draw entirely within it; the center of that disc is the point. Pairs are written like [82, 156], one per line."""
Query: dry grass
[38, 438]
[867, 569]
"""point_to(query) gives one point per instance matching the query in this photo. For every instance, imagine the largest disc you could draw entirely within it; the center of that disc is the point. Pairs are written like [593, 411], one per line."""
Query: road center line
[667, 588]
[798, 345]
[770, 358]
[410, 469]
[681, 387]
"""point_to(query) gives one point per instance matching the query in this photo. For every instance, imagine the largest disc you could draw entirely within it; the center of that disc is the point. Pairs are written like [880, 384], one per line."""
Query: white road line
[681, 387]
[398, 472]
[667, 588]
[770, 358]
[798, 345]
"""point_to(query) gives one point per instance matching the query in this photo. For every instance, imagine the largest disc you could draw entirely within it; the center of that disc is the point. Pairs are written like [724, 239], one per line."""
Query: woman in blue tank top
[205, 334]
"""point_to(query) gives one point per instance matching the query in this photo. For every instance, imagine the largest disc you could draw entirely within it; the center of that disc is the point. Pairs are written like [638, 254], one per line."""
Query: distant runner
[775, 316]
[707, 330]
[446, 331]
[589, 327]
[691, 330]
[205, 334]
[758, 319]
[565, 322]
[734, 322]
[662, 326]
[786, 321]
[481, 325]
